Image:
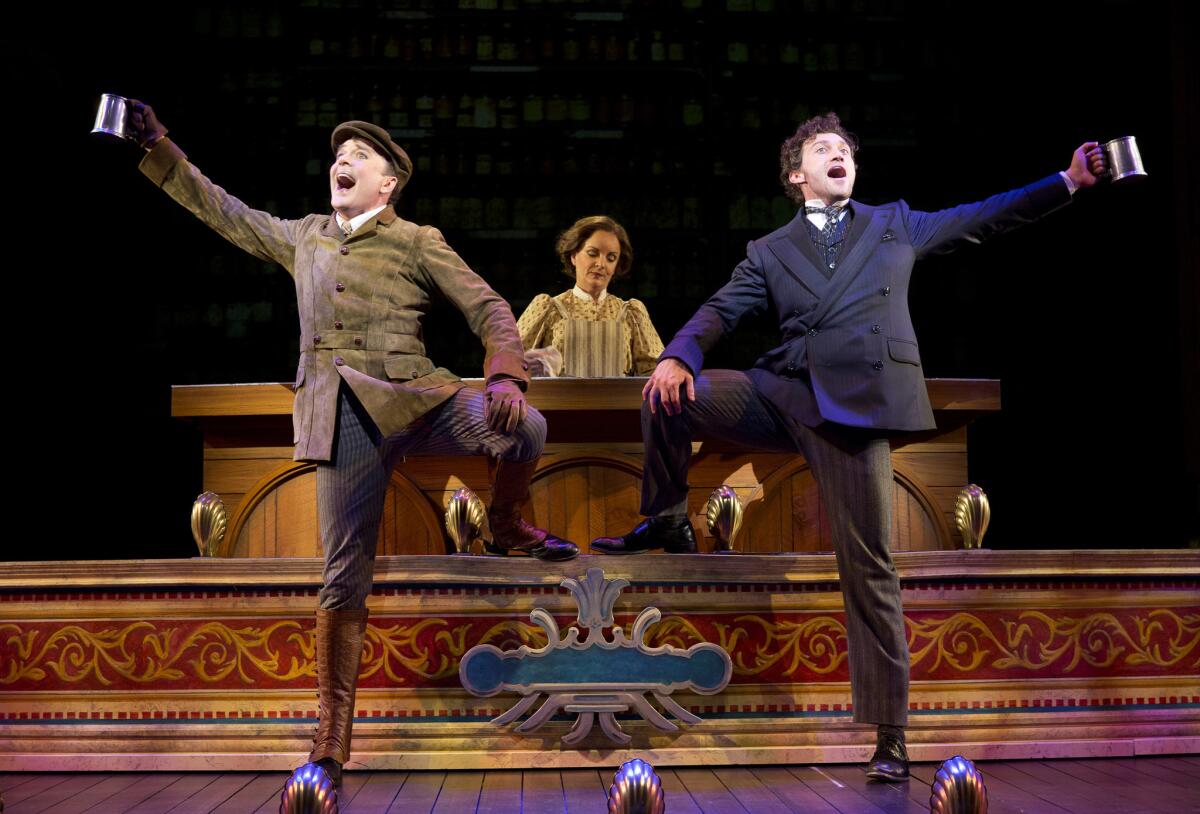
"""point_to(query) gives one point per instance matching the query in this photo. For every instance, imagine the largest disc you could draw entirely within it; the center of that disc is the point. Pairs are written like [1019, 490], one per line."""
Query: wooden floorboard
[135, 793]
[890, 797]
[460, 793]
[53, 795]
[215, 794]
[1162, 774]
[585, 790]
[542, 793]
[676, 794]
[175, 794]
[501, 793]
[251, 796]
[1109, 772]
[845, 799]
[418, 794]
[376, 794]
[108, 786]
[794, 793]
[708, 792]
[750, 792]
[34, 786]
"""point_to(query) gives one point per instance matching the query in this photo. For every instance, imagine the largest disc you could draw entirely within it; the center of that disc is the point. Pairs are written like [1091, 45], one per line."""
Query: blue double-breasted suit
[846, 375]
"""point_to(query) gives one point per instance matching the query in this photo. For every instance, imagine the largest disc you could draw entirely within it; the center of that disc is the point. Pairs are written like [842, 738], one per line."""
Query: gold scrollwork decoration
[817, 643]
[400, 644]
[74, 653]
[1038, 641]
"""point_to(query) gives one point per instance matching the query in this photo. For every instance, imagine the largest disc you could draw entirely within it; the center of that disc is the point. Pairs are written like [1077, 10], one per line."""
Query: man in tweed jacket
[846, 375]
[366, 393]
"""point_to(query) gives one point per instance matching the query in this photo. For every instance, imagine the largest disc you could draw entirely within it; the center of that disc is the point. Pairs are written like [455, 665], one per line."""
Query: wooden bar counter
[588, 481]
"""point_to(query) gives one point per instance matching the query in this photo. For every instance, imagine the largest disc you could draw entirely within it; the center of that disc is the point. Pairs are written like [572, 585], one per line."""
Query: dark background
[665, 115]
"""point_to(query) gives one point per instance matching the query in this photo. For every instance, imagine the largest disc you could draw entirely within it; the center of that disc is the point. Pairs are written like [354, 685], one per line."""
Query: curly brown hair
[572, 240]
[791, 152]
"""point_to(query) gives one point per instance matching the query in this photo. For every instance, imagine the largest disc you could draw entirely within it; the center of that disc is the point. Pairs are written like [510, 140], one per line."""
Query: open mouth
[344, 181]
[837, 171]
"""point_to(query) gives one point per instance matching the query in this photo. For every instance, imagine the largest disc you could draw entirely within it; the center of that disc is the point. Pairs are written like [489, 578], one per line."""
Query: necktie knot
[831, 213]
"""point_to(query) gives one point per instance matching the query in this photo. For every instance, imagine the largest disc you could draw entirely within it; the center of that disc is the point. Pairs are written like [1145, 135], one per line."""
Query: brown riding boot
[339, 648]
[510, 532]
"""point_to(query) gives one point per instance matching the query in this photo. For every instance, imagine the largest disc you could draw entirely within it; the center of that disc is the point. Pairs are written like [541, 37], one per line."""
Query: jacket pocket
[405, 367]
[901, 350]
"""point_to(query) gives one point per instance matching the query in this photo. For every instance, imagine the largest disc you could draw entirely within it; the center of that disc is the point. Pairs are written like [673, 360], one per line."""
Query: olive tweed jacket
[361, 301]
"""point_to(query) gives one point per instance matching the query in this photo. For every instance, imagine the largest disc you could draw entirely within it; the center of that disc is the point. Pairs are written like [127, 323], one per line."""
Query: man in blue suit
[847, 375]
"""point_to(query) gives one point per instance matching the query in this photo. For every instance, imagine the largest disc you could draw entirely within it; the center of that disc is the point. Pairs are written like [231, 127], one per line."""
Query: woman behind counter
[594, 333]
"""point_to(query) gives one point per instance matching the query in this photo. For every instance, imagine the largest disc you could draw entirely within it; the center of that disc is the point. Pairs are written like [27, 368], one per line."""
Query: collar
[358, 220]
[580, 294]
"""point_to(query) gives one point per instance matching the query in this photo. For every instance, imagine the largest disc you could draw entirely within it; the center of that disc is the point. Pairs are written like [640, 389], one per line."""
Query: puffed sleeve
[645, 344]
[534, 324]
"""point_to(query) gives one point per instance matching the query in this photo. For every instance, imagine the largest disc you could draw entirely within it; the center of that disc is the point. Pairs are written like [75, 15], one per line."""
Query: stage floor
[1159, 785]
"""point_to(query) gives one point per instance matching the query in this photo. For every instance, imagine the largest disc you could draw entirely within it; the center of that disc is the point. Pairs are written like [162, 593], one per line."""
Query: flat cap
[378, 138]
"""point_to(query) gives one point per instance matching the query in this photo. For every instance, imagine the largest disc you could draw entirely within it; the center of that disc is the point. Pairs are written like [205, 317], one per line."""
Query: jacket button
[812, 331]
[413, 375]
[358, 341]
[339, 361]
[796, 313]
[875, 329]
[878, 365]
[338, 325]
[887, 289]
[791, 370]
[317, 339]
[340, 287]
[344, 250]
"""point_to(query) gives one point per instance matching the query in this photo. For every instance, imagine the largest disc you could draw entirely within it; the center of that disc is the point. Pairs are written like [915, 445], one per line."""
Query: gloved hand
[146, 126]
[506, 405]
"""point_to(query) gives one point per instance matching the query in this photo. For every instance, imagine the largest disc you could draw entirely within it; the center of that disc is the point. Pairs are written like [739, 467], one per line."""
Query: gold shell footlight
[724, 515]
[308, 791]
[636, 789]
[971, 515]
[208, 523]
[464, 519]
[958, 789]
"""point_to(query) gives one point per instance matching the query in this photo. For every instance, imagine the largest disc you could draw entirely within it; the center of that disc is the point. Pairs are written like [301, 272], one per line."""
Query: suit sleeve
[259, 233]
[745, 293]
[486, 311]
[946, 230]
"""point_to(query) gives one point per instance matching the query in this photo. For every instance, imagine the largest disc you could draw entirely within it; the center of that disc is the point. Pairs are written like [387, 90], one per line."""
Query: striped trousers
[853, 470]
[352, 486]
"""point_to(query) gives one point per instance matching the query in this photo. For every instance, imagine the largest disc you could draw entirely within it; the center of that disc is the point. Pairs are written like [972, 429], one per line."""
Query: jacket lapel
[796, 252]
[865, 233]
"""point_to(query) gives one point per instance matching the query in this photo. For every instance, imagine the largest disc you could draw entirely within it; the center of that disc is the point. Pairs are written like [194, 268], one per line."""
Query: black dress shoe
[890, 761]
[675, 536]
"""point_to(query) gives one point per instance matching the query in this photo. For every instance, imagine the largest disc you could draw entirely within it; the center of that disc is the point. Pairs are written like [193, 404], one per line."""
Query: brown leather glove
[506, 405]
[146, 125]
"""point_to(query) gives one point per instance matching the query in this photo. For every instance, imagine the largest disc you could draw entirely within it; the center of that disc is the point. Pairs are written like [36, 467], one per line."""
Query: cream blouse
[542, 326]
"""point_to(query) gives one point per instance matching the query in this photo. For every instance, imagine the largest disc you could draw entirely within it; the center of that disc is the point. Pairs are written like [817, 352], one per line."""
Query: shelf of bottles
[522, 115]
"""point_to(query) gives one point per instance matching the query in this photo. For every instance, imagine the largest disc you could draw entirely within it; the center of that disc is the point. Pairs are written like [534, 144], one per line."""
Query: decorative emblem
[308, 791]
[464, 519]
[971, 515]
[594, 676]
[636, 789]
[724, 516]
[208, 523]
